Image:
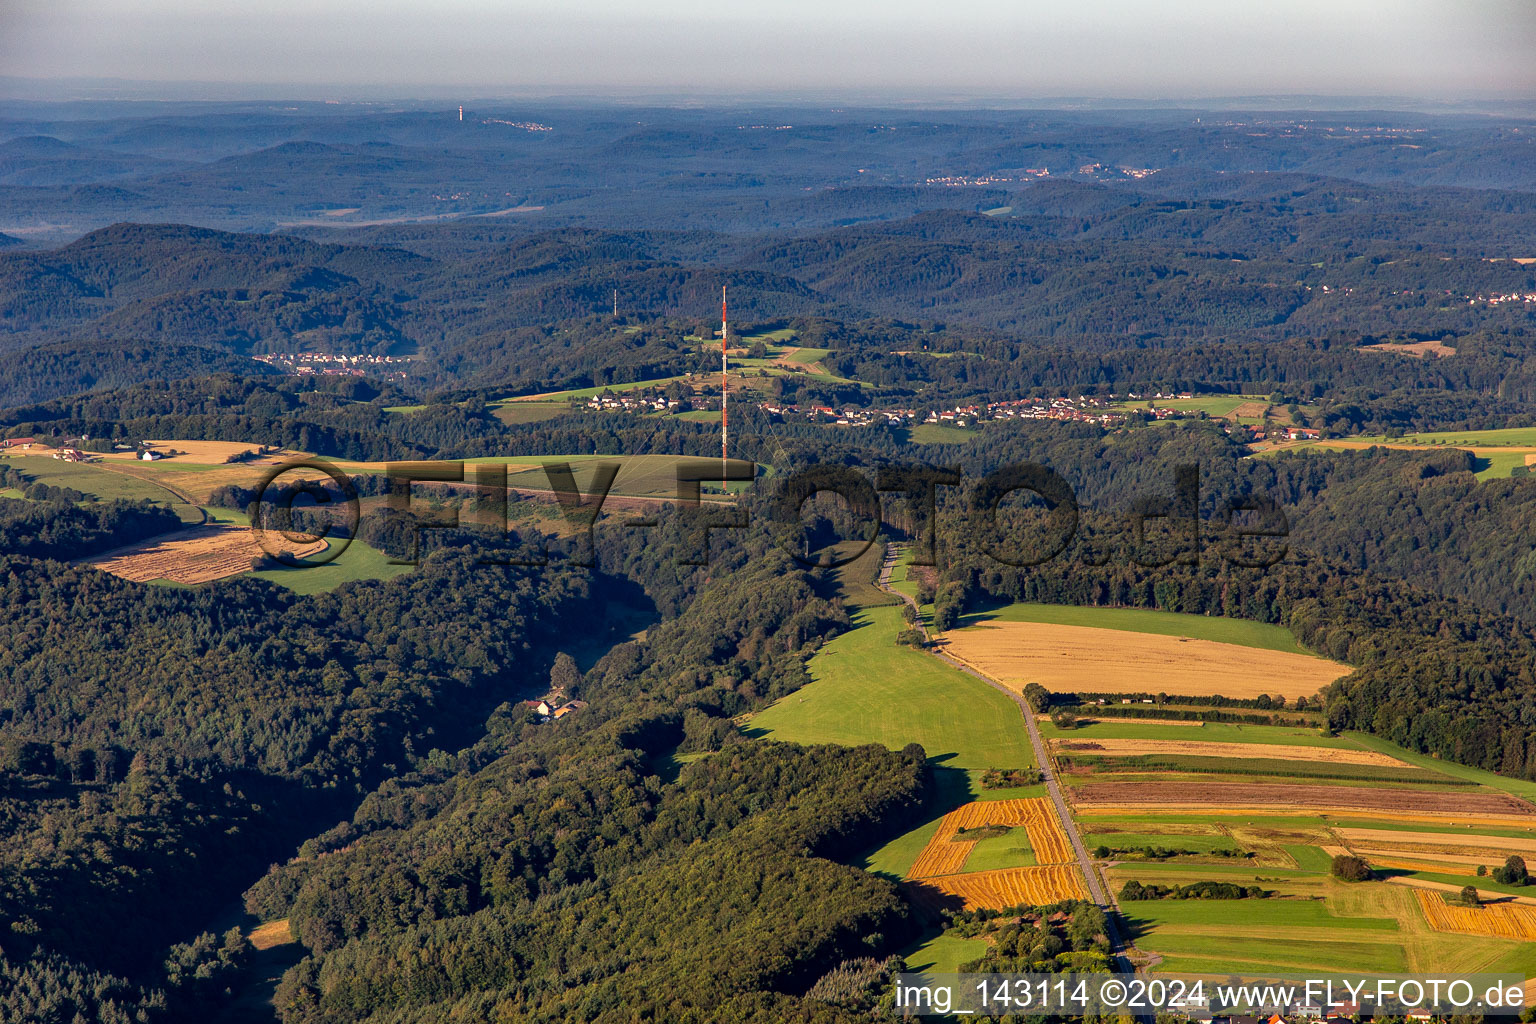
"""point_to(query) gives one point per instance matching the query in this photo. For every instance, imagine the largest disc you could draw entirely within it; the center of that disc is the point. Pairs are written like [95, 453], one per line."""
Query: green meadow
[1211, 405]
[358, 562]
[1514, 436]
[1006, 851]
[867, 689]
[938, 433]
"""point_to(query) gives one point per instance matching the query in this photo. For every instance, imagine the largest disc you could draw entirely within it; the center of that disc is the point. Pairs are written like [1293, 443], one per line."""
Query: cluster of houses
[1291, 1015]
[633, 402]
[1305, 1013]
[549, 712]
[305, 364]
[72, 450]
[1084, 410]
[1499, 300]
[850, 417]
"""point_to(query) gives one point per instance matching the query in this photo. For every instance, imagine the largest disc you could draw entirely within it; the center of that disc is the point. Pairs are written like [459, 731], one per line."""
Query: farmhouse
[18, 442]
[570, 709]
[150, 456]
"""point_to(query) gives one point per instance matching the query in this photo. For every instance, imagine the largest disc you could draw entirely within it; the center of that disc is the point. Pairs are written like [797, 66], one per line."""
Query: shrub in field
[1351, 869]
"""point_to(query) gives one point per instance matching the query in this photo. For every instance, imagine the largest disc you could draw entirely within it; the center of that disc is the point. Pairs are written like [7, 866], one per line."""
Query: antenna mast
[725, 394]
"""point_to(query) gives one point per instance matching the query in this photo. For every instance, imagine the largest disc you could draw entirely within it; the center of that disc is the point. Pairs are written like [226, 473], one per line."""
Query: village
[305, 364]
[1108, 411]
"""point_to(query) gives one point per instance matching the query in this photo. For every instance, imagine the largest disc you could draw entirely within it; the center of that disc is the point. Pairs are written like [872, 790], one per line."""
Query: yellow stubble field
[1087, 659]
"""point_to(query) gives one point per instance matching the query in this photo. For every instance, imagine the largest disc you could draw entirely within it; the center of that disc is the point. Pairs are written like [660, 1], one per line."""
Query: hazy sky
[1418, 48]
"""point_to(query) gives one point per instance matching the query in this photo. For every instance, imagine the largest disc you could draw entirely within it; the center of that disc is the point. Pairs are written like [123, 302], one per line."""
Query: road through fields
[1042, 758]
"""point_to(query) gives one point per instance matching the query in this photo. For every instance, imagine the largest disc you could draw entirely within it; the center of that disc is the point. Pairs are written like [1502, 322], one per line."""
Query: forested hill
[44, 372]
[1146, 273]
[205, 733]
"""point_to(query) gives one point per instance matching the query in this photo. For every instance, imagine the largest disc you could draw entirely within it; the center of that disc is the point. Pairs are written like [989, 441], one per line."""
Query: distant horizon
[893, 50]
[43, 90]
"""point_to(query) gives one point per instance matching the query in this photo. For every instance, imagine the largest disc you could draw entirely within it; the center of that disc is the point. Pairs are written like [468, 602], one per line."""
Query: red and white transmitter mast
[725, 394]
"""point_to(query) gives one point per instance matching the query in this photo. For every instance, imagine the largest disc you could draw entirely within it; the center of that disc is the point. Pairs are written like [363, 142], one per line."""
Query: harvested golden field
[943, 855]
[1400, 862]
[1266, 751]
[1088, 659]
[1047, 837]
[1418, 349]
[199, 555]
[946, 855]
[1454, 889]
[1440, 842]
[271, 934]
[1275, 798]
[1250, 410]
[209, 452]
[1496, 920]
[1011, 886]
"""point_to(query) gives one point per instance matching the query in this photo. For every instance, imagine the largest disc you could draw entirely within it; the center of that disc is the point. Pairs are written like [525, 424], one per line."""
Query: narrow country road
[1042, 758]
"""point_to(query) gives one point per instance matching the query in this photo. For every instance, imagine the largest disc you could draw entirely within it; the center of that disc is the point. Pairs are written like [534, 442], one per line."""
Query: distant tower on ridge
[725, 390]
[461, 111]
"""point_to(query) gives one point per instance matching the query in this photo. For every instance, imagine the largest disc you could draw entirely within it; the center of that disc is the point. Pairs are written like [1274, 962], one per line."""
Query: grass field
[944, 953]
[938, 433]
[358, 562]
[561, 396]
[1211, 405]
[512, 413]
[1314, 922]
[866, 689]
[1517, 436]
[1168, 840]
[999, 852]
[103, 484]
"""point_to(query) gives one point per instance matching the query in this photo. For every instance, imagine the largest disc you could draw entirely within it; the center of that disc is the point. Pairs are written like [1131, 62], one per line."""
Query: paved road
[1042, 758]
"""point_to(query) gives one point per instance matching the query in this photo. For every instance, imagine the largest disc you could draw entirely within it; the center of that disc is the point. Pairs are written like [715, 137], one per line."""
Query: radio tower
[725, 394]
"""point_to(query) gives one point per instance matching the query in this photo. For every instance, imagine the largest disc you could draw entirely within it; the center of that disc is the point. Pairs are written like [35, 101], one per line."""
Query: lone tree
[563, 674]
[1061, 718]
[1350, 868]
[1469, 896]
[1039, 698]
[1513, 872]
